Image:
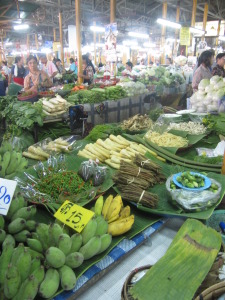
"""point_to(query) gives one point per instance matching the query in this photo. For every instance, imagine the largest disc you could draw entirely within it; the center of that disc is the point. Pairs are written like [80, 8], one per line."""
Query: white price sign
[7, 189]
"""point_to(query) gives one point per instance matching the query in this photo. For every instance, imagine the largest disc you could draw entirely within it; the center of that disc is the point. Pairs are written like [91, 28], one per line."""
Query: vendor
[73, 67]
[17, 71]
[59, 66]
[88, 73]
[36, 80]
[203, 71]
[219, 68]
[129, 66]
[89, 56]
[48, 67]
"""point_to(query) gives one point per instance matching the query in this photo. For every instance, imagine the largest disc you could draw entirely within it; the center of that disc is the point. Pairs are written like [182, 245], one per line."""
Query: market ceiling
[42, 15]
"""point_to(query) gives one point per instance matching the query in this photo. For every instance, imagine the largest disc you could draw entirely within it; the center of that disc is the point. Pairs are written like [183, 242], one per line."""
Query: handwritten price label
[74, 215]
[7, 189]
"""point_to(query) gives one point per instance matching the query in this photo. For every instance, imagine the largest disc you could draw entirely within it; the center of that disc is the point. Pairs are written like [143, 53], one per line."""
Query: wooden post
[99, 49]
[206, 7]
[54, 39]
[193, 18]
[28, 44]
[61, 38]
[94, 36]
[163, 34]
[36, 41]
[112, 11]
[177, 31]
[218, 34]
[79, 54]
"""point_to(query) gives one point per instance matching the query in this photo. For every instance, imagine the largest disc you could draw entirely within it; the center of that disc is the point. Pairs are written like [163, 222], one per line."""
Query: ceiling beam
[6, 9]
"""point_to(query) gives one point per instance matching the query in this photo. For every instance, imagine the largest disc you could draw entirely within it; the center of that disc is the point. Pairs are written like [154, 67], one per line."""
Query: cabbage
[203, 84]
[209, 88]
[219, 85]
[219, 94]
[201, 96]
[215, 79]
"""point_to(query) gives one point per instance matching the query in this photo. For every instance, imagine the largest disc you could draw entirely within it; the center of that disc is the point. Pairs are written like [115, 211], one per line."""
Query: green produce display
[87, 96]
[43, 259]
[115, 92]
[69, 77]
[11, 161]
[68, 86]
[191, 180]
[209, 160]
[103, 132]
[23, 114]
[215, 123]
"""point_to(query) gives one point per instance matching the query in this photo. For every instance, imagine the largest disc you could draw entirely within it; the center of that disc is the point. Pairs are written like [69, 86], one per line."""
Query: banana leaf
[179, 273]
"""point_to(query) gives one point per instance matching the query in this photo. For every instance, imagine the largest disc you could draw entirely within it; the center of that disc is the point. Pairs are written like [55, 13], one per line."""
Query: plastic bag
[193, 201]
[87, 169]
[99, 175]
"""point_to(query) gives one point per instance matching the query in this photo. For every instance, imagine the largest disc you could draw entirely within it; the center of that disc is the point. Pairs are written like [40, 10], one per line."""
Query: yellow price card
[74, 215]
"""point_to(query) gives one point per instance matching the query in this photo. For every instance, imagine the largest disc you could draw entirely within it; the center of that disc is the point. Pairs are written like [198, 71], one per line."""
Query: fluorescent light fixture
[97, 29]
[149, 45]
[138, 35]
[197, 30]
[101, 45]
[130, 43]
[46, 50]
[8, 44]
[222, 38]
[134, 47]
[168, 23]
[21, 27]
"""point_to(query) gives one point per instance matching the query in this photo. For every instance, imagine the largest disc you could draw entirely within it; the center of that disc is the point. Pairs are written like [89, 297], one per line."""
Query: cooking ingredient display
[133, 88]
[190, 127]
[115, 93]
[87, 96]
[102, 132]
[166, 139]
[67, 183]
[137, 122]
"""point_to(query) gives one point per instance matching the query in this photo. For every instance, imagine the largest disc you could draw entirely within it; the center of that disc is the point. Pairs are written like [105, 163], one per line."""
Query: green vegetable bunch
[115, 92]
[216, 123]
[103, 132]
[23, 114]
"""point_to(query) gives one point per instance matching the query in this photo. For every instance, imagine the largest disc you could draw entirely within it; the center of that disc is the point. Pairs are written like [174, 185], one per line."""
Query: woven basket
[127, 284]
[213, 292]
[30, 98]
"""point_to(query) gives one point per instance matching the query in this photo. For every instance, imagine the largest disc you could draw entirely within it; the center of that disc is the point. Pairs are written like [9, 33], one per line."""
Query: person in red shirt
[18, 71]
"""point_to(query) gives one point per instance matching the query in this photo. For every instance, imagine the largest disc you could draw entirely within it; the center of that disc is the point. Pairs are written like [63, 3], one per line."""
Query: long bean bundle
[136, 194]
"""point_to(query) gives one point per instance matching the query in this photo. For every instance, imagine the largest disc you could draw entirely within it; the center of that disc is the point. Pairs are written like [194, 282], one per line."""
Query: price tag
[7, 189]
[74, 215]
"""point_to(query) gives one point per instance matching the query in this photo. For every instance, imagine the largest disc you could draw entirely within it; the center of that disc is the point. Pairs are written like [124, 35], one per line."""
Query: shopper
[59, 66]
[18, 71]
[219, 68]
[48, 67]
[129, 66]
[88, 73]
[5, 69]
[36, 80]
[203, 71]
[73, 67]
[90, 63]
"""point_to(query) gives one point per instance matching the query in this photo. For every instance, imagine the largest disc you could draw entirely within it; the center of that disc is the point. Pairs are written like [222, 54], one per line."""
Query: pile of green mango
[38, 259]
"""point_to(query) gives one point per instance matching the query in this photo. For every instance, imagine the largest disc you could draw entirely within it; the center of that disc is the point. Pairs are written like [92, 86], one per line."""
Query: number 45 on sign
[74, 215]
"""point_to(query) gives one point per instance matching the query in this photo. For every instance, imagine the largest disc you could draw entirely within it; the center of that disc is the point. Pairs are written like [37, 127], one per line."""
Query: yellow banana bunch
[117, 216]
[121, 226]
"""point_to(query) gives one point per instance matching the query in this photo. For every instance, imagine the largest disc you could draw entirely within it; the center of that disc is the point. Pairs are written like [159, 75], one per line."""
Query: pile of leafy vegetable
[103, 132]
[115, 92]
[5, 101]
[68, 86]
[69, 78]
[87, 96]
[23, 114]
[53, 131]
[215, 123]
[209, 160]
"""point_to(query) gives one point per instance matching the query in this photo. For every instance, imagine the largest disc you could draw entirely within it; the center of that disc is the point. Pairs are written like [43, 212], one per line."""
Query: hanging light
[168, 23]
[97, 29]
[21, 27]
[197, 30]
[138, 35]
